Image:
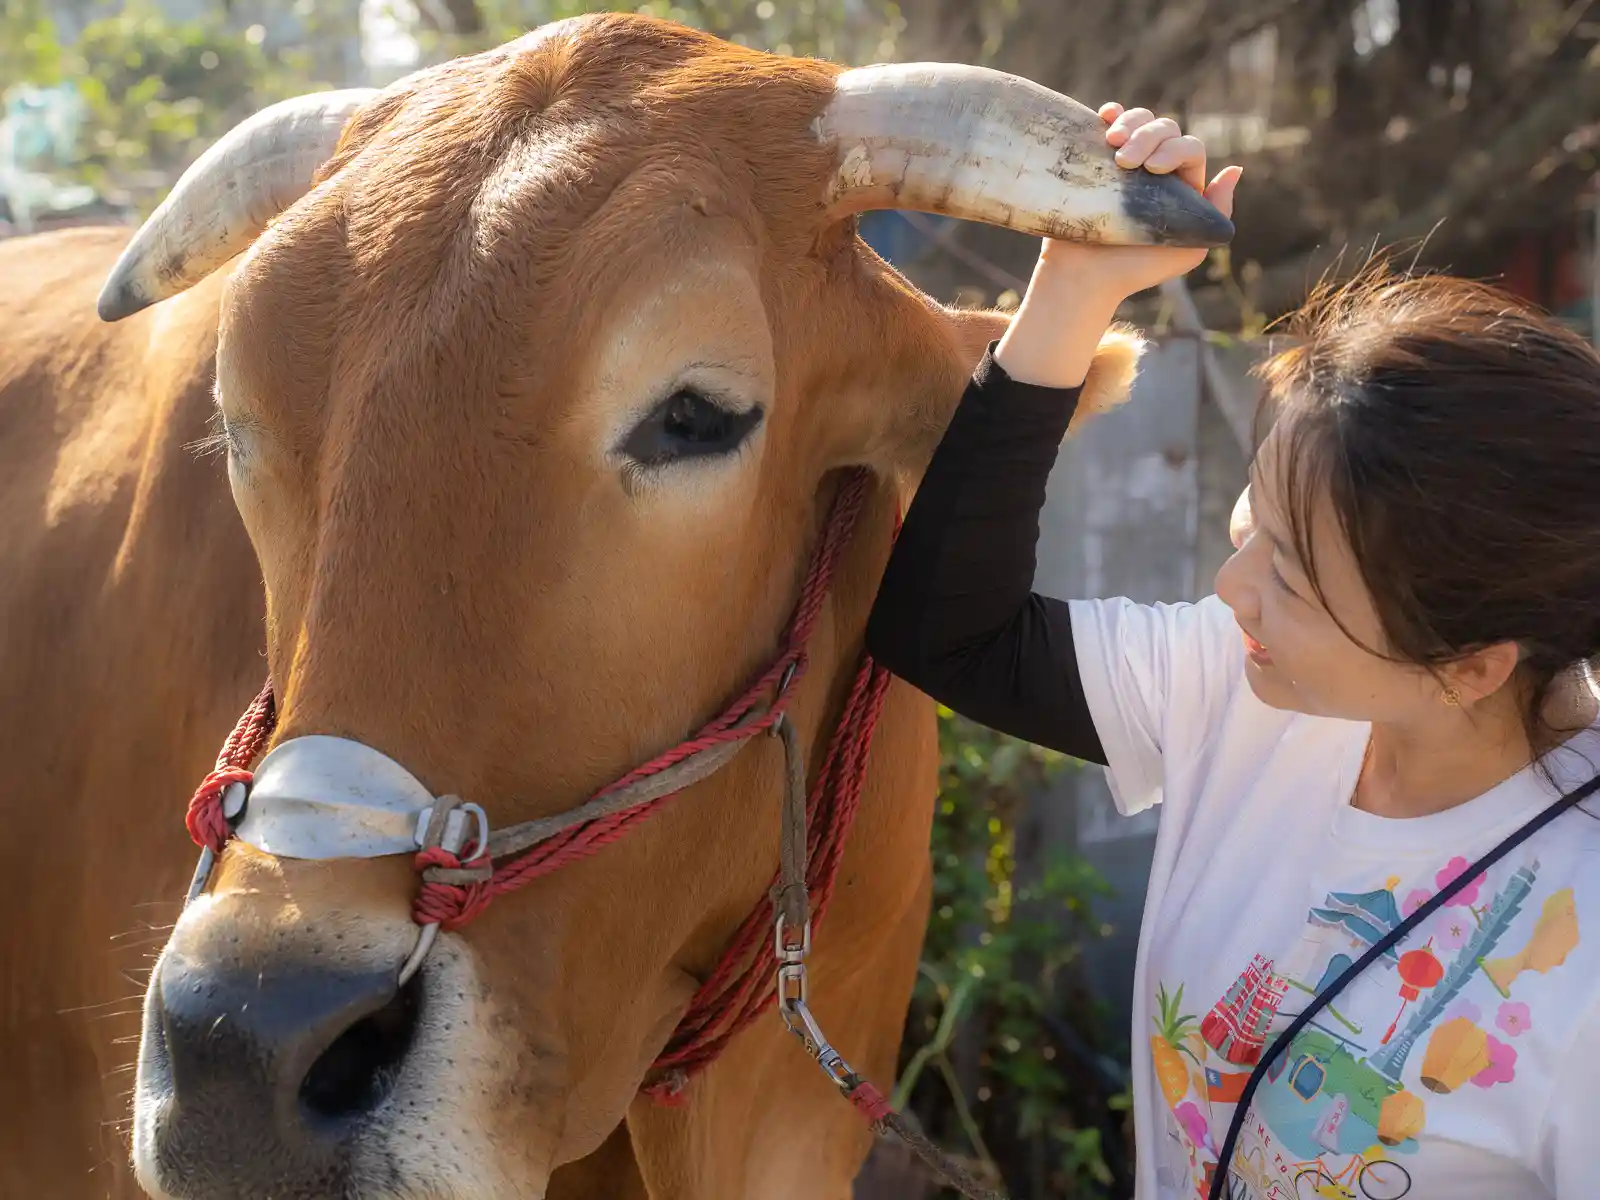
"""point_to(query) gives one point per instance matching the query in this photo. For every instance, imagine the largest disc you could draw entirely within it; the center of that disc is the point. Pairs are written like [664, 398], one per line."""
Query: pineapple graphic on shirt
[1168, 1045]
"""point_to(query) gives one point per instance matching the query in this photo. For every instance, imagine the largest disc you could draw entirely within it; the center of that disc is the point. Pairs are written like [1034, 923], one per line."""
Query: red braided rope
[453, 905]
[742, 985]
[207, 825]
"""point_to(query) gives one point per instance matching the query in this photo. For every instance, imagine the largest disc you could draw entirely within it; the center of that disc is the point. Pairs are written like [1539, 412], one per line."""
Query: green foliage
[1008, 922]
[155, 92]
[28, 46]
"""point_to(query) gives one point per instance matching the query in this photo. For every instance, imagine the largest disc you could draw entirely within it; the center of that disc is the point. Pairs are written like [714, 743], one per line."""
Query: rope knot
[670, 1091]
[207, 824]
[869, 1102]
[452, 892]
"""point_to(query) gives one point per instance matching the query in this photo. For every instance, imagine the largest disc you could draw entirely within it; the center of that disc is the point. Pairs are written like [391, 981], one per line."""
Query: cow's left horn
[227, 197]
[976, 143]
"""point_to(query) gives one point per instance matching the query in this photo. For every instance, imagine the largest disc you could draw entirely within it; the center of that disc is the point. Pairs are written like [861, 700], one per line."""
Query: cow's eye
[689, 425]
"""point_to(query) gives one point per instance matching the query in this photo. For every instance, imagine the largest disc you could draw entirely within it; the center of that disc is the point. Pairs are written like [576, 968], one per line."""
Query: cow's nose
[283, 1065]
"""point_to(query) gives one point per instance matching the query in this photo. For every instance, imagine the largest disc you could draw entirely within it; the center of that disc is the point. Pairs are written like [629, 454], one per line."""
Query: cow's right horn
[977, 143]
[227, 197]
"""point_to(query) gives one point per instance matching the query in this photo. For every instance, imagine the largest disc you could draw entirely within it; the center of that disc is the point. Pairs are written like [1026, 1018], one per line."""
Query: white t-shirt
[1464, 1066]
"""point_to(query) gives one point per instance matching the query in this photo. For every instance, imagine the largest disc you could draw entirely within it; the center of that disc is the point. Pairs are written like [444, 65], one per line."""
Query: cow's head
[537, 372]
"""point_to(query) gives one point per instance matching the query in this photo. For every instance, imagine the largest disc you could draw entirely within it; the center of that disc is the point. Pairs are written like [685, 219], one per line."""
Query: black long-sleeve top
[956, 614]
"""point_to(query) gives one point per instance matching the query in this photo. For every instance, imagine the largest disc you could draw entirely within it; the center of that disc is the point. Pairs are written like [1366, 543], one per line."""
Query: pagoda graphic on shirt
[1366, 917]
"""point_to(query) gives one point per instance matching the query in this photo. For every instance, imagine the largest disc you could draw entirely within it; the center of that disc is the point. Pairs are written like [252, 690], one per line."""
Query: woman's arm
[956, 614]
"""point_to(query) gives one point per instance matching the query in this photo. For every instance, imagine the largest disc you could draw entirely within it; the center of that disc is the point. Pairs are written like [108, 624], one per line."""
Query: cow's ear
[967, 333]
[1111, 374]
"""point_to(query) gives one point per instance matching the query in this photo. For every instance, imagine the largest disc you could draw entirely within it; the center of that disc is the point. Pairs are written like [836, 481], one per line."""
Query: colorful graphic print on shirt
[1340, 1111]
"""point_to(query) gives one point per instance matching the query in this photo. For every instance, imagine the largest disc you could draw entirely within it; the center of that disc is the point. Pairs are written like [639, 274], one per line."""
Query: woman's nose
[1234, 587]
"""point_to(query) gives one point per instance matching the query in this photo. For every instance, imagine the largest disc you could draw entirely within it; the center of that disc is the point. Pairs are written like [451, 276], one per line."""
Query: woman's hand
[1141, 139]
[1077, 287]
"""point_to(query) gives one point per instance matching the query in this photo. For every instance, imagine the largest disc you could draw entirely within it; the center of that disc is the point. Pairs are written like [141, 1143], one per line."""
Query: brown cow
[533, 402]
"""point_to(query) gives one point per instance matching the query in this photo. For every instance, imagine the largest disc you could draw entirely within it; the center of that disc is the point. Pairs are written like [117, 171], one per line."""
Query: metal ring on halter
[793, 985]
[202, 875]
[784, 681]
[787, 677]
[480, 843]
[452, 838]
[425, 939]
[234, 798]
[787, 951]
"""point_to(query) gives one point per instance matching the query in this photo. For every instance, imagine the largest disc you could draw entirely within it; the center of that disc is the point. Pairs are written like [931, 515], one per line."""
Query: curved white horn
[227, 197]
[976, 143]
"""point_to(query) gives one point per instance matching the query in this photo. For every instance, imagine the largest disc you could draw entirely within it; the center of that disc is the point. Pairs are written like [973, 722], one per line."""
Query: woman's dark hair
[1456, 431]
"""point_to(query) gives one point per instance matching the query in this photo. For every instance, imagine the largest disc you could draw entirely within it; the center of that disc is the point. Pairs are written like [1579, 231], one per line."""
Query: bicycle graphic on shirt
[1375, 1178]
[1362, 1178]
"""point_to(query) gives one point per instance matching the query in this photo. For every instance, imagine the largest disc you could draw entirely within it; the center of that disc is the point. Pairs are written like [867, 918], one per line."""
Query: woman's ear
[1483, 672]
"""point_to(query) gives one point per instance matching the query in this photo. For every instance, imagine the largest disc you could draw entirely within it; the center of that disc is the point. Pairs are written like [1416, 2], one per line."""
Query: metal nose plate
[330, 797]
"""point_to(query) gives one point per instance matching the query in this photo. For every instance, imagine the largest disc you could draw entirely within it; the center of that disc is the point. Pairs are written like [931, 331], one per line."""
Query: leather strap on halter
[458, 884]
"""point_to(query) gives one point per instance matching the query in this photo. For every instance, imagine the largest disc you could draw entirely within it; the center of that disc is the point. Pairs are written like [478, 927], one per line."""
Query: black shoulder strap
[1396, 935]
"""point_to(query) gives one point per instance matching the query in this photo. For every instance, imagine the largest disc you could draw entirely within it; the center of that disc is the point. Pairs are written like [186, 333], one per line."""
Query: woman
[1391, 678]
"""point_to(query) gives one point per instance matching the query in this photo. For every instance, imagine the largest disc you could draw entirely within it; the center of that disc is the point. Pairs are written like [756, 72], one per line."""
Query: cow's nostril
[355, 1073]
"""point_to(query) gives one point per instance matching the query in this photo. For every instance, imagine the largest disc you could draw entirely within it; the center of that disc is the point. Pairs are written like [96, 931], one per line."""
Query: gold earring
[1451, 695]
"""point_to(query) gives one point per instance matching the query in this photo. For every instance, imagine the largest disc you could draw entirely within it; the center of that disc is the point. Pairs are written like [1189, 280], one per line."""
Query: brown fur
[423, 362]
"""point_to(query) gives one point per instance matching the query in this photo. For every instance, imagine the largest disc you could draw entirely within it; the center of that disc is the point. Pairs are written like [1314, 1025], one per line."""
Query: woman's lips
[1255, 651]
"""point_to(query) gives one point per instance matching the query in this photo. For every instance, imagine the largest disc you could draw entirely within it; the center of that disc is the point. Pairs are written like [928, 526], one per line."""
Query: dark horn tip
[1172, 212]
[117, 300]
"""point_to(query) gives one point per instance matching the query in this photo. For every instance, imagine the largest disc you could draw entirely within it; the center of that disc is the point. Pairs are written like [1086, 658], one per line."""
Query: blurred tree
[29, 49]
[1002, 1057]
[1360, 122]
[157, 92]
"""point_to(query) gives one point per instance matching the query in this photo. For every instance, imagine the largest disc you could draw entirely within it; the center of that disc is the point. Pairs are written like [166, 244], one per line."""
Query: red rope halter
[742, 985]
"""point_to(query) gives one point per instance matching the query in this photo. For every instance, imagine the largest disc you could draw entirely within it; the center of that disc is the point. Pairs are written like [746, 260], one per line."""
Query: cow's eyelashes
[688, 425]
[221, 438]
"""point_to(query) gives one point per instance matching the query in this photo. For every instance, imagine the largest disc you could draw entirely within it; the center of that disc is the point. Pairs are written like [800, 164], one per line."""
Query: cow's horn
[221, 203]
[976, 143]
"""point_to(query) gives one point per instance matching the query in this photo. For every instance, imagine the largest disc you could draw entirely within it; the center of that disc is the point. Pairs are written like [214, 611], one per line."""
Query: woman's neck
[1420, 769]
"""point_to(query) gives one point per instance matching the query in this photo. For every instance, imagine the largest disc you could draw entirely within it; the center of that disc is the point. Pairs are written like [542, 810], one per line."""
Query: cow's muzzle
[263, 1083]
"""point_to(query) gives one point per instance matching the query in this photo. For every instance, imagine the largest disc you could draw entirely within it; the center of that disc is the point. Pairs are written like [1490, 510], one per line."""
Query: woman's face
[1297, 655]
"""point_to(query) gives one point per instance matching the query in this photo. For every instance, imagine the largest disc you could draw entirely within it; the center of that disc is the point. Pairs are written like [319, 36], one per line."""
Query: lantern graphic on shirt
[1401, 1116]
[1419, 971]
[1456, 1052]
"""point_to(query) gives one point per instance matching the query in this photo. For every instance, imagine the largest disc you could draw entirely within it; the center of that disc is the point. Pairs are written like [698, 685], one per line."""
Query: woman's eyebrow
[1280, 545]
